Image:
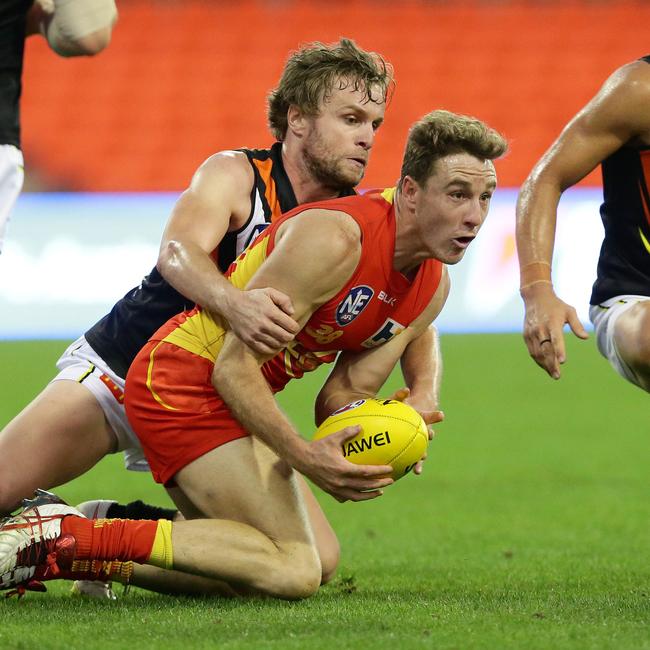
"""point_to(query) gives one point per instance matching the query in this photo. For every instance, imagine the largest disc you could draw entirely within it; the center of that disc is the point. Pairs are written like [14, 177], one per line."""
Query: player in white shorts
[80, 363]
[71, 28]
[612, 130]
[604, 318]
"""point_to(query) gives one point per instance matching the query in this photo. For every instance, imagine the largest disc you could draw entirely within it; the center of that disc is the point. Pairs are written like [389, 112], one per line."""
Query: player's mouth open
[463, 242]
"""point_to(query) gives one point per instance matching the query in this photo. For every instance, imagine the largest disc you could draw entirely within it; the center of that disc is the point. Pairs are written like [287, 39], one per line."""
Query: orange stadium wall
[182, 80]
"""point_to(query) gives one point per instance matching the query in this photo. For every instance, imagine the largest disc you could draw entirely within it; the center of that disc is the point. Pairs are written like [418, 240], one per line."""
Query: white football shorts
[12, 175]
[82, 364]
[604, 317]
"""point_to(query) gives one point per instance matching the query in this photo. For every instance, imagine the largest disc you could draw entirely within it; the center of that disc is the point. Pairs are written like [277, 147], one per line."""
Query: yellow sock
[161, 552]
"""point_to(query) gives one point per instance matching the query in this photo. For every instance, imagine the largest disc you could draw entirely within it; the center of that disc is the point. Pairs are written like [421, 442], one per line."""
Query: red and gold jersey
[375, 304]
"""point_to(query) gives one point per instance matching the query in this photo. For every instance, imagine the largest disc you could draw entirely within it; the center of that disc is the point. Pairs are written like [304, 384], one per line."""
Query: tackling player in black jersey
[612, 130]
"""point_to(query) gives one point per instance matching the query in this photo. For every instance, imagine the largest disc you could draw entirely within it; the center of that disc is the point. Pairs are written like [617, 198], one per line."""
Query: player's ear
[296, 121]
[409, 190]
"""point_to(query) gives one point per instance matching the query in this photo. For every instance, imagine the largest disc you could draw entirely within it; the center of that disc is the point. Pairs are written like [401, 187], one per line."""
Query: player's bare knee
[643, 339]
[329, 559]
[632, 337]
[297, 575]
[302, 582]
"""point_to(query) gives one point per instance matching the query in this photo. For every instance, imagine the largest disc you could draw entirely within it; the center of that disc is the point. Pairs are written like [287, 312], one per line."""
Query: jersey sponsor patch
[353, 304]
[385, 333]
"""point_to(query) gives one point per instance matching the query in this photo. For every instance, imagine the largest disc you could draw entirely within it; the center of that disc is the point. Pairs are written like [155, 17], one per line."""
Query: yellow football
[392, 433]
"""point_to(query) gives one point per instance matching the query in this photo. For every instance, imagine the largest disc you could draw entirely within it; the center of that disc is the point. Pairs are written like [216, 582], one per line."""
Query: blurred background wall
[183, 79]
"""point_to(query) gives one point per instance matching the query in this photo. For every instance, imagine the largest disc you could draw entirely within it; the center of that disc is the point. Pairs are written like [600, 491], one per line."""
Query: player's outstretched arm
[237, 375]
[73, 27]
[613, 117]
[218, 200]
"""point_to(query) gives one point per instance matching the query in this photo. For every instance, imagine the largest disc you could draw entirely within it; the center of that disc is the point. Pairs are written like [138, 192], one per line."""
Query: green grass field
[529, 528]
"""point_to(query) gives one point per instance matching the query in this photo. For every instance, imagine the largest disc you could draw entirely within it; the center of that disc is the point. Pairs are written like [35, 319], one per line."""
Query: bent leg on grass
[60, 435]
[177, 583]
[257, 537]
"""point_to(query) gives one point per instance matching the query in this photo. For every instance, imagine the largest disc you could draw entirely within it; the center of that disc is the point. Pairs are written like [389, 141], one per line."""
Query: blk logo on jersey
[389, 300]
[353, 304]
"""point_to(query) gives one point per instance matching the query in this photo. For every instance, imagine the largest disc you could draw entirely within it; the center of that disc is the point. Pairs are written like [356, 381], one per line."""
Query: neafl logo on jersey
[353, 304]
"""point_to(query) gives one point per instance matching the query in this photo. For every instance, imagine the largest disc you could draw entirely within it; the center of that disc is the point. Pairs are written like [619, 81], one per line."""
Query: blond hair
[311, 73]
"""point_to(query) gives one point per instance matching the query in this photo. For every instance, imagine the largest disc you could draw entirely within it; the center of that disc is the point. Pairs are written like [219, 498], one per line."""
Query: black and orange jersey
[624, 262]
[119, 335]
[374, 305]
[271, 195]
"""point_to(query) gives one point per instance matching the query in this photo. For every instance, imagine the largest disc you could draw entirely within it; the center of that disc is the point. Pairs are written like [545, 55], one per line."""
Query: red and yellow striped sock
[99, 570]
[145, 542]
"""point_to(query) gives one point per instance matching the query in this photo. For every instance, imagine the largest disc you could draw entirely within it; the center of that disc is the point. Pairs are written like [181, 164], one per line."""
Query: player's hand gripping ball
[392, 433]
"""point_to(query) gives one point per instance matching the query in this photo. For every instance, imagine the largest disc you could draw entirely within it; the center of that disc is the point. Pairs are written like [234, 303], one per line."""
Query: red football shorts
[174, 409]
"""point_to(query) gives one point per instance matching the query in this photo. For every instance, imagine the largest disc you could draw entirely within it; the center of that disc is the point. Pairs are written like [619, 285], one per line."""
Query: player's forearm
[358, 376]
[535, 230]
[191, 271]
[331, 400]
[422, 368]
[239, 381]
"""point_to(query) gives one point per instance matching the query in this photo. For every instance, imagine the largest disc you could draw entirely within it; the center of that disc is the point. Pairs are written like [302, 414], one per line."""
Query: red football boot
[32, 548]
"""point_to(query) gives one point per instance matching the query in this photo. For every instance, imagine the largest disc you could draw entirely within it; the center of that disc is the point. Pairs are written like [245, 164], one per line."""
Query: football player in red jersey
[318, 114]
[612, 130]
[202, 400]
[324, 112]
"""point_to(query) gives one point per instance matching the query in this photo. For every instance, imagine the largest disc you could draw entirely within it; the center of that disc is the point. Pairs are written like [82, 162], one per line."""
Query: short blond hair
[442, 133]
[312, 71]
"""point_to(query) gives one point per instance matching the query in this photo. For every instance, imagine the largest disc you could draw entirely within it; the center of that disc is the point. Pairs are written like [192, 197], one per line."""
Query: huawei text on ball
[357, 446]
